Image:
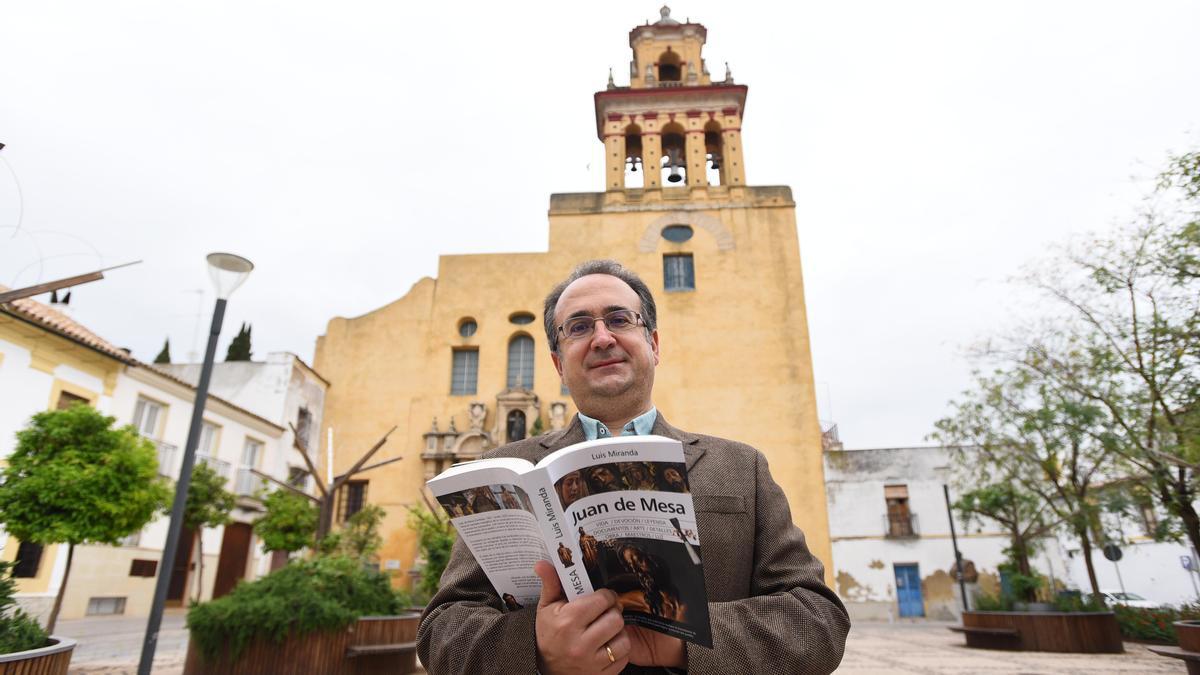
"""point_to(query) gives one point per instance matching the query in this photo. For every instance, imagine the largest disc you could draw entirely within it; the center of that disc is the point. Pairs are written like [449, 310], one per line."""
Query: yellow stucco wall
[735, 351]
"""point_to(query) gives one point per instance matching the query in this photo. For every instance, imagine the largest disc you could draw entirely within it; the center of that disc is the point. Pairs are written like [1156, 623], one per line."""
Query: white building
[48, 360]
[284, 390]
[892, 552]
[893, 556]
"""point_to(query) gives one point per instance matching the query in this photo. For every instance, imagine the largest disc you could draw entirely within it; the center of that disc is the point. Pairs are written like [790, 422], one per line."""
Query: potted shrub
[308, 616]
[24, 646]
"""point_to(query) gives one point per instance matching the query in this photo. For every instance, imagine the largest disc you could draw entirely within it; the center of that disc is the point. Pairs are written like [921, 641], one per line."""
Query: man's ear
[654, 344]
[557, 363]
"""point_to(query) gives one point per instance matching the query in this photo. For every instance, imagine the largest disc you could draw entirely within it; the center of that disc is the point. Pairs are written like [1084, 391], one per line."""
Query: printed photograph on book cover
[618, 476]
[658, 583]
[485, 498]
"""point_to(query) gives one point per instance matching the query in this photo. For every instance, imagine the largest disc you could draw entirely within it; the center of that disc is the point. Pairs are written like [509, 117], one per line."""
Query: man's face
[605, 369]
[673, 477]
[604, 477]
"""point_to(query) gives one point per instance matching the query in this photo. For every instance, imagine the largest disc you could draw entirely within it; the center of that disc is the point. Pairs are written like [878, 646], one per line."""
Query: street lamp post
[228, 271]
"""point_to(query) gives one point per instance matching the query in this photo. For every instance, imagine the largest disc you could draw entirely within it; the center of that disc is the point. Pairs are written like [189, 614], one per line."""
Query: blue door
[908, 591]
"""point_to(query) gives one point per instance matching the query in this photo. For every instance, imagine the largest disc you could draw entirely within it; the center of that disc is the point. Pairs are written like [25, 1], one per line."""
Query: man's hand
[651, 648]
[584, 636]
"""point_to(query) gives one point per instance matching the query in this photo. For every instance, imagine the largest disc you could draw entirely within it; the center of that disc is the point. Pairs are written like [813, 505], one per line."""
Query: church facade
[460, 364]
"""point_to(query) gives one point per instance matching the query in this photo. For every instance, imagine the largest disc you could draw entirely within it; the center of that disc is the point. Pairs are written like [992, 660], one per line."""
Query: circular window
[677, 233]
[467, 327]
[521, 318]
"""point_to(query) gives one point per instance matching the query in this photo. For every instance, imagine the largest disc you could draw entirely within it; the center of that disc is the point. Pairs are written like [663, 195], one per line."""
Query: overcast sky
[932, 148]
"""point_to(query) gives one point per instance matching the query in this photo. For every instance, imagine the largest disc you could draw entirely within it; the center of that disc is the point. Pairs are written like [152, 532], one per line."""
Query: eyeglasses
[580, 327]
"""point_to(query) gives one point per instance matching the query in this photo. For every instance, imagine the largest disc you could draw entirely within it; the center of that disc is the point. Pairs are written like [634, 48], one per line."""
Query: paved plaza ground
[929, 648]
[111, 646]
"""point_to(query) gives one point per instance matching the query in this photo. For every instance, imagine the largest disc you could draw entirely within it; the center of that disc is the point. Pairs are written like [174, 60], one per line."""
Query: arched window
[515, 429]
[520, 362]
[669, 68]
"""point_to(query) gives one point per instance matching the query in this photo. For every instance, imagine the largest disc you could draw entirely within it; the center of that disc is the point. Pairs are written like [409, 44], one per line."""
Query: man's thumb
[552, 590]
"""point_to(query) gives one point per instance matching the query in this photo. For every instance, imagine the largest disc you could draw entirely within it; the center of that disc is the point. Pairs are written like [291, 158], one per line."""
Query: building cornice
[173, 385]
[716, 98]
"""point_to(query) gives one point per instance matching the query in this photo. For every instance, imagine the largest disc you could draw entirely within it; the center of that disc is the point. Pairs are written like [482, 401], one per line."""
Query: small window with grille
[354, 498]
[464, 372]
[102, 606]
[520, 362]
[679, 272]
[143, 568]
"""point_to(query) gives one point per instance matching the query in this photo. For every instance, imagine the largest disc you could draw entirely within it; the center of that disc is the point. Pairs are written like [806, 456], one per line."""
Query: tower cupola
[671, 127]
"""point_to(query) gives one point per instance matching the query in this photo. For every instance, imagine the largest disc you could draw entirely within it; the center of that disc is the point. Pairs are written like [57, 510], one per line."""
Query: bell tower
[673, 128]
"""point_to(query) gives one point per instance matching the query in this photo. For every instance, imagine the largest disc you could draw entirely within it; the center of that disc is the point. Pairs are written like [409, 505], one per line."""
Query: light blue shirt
[641, 425]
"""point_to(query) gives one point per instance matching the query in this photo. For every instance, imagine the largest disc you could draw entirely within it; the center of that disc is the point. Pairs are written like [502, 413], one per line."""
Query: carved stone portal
[516, 411]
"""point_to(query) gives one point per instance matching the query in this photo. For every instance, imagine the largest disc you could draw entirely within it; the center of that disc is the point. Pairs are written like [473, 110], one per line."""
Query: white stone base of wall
[37, 606]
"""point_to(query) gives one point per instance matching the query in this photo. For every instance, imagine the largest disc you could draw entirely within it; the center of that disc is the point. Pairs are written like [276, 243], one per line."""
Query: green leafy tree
[239, 347]
[289, 524]
[1023, 516]
[1016, 425]
[435, 539]
[359, 538]
[1127, 339]
[18, 631]
[208, 505]
[75, 479]
[164, 356]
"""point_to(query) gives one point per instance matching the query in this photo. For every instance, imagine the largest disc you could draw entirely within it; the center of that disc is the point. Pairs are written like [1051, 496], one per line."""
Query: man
[636, 476]
[660, 595]
[482, 500]
[770, 610]
[603, 479]
[564, 555]
[508, 499]
[673, 480]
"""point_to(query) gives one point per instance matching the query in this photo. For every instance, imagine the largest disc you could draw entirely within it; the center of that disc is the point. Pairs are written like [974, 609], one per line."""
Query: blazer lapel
[692, 451]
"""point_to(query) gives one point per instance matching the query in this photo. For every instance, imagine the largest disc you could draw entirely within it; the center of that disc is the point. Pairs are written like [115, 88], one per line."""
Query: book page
[494, 514]
[627, 510]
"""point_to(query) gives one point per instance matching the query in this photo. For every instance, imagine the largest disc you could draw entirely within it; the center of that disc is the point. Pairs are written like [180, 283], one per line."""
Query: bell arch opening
[634, 171]
[674, 157]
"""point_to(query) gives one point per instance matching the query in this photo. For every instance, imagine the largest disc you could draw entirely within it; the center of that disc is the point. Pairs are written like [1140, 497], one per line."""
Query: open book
[612, 513]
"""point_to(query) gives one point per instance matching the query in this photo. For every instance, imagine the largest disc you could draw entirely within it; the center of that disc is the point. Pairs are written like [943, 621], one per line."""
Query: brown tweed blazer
[771, 611]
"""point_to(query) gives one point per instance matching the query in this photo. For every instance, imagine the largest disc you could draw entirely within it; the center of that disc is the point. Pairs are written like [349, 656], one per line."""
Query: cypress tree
[165, 355]
[239, 348]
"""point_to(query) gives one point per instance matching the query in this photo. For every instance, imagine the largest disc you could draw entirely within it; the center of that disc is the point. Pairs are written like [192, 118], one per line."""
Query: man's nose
[601, 336]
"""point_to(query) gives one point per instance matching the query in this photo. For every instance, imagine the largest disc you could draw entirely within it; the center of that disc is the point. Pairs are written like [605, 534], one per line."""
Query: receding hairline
[608, 308]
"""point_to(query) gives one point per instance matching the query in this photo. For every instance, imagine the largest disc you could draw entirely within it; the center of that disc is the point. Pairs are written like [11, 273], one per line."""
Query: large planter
[1188, 634]
[1188, 651]
[53, 659]
[1075, 632]
[373, 644]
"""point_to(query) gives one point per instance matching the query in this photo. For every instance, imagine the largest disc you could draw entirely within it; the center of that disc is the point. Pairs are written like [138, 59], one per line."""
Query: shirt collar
[641, 425]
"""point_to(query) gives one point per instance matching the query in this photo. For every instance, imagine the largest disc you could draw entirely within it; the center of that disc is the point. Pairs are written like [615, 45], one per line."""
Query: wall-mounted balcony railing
[168, 456]
[220, 466]
[247, 483]
[901, 526]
